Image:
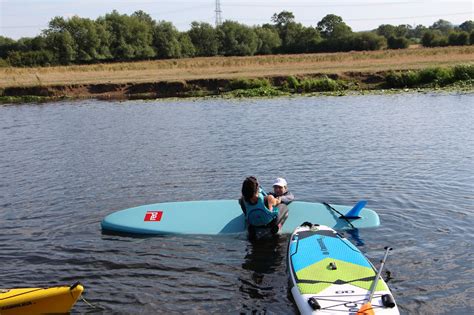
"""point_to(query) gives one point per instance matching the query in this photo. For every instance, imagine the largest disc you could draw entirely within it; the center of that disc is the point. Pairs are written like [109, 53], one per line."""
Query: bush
[434, 39]
[318, 85]
[458, 39]
[397, 42]
[4, 63]
[436, 75]
[292, 83]
[364, 41]
[31, 58]
[401, 80]
[249, 84]
[463, 72]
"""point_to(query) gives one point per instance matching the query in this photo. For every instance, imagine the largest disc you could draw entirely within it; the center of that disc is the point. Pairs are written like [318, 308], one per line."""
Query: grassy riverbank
[244, 76]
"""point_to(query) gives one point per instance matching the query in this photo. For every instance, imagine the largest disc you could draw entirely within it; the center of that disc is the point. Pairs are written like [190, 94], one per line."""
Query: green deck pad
[346, 272]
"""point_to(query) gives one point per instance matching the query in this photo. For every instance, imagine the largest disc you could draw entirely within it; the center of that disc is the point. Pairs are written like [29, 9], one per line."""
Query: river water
[64, 166]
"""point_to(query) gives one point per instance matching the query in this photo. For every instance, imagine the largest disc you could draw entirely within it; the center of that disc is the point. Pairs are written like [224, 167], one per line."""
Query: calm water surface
[64, 166]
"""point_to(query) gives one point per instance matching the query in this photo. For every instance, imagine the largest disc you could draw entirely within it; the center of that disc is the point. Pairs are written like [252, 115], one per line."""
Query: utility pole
[218, 13]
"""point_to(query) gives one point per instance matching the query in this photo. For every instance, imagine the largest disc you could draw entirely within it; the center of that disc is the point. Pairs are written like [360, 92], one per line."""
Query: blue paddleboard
[329, 275]
[223, 217]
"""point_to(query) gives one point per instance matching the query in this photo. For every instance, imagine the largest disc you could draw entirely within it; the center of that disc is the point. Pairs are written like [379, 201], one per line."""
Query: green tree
[186, 45]
[27, 44]
[62, 45]
[283, 18]
[166, 40]
[103, 50]
[34, 58]
[57, 24]
[291, 38]
[403, 30]
[237, 39]
[59, 41]
[143, 17]
[295, 38]
[332, 26]
[204, 39]
[86, 40]
[418, 31]
[268, 40]
[130, 36]
[26, 51]
[386, 30]
[442, 25]
[307, 40]
[90, 39]
[467, 26]
[7, 45]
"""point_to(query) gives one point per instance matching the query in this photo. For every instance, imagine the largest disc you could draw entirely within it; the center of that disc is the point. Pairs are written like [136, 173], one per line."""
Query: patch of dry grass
[238, 67]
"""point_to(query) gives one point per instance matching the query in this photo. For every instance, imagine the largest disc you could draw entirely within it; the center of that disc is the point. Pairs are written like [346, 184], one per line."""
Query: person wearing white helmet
[281, 192]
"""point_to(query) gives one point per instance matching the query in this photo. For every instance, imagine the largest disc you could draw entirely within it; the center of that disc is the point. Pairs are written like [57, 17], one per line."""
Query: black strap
[242, 206]
[371, 278]
[341, 215]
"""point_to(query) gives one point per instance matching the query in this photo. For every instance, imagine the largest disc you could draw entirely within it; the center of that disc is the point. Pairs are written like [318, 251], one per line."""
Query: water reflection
[354, 237]
[262, 257]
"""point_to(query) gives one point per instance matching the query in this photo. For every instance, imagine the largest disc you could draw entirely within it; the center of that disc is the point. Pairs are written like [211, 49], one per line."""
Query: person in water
[281, 192]
[260, 209]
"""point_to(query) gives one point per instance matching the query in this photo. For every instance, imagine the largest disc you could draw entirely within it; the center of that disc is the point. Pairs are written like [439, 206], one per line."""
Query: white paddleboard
[329, 275]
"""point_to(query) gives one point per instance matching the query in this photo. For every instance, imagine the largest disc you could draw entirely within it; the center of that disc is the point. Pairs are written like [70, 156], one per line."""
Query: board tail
[355, 211]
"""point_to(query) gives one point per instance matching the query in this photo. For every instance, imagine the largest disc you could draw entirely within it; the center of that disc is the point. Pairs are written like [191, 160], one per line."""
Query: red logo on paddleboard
[153, 216]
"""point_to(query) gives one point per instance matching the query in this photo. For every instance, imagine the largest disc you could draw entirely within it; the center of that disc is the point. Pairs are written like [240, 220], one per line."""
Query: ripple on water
[65, 166]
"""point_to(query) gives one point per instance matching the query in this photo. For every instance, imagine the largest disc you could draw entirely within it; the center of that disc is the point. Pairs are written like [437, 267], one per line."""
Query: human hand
[271, 201]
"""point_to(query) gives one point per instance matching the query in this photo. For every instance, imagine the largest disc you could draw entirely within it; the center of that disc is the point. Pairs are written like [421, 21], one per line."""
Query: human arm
[286, 198]
[271, 201]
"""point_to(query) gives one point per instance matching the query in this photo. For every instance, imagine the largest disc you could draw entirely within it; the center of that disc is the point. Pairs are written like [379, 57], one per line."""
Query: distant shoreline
[451, 67]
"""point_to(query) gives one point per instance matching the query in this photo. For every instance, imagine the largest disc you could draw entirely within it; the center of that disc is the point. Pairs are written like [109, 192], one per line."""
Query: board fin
[355, 211]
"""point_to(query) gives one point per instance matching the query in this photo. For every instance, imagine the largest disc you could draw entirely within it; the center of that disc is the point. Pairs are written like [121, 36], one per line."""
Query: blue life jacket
[258, 214]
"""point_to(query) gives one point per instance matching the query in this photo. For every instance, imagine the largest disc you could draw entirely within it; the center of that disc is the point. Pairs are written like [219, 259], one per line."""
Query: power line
[374, 19]
[218, 16]
[315, 5]
[410, 17]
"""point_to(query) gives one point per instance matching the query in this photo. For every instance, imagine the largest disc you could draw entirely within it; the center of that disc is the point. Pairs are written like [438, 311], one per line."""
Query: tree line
[122, 37]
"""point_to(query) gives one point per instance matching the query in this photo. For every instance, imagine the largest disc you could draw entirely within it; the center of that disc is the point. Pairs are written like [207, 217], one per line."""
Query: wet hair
[249, 188]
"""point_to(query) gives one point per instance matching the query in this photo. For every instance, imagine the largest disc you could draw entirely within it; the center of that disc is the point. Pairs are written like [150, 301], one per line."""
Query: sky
[27, 18]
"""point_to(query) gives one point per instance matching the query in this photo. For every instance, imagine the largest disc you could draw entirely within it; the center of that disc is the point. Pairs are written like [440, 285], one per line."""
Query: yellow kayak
[31, 301]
